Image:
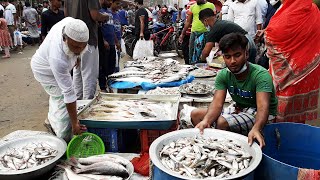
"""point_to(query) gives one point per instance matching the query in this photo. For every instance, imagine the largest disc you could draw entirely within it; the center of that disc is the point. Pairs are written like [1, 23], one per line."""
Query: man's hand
[77, 63]
[181, 37]
[202, 125]
[106, 45]
[118, 46]
[141, 36]
[78, 128]
[256, 134]
[259, 36]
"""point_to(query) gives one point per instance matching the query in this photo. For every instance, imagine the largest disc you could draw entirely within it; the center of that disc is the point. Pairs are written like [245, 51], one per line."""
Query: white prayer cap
[273, 2]
[77, 30]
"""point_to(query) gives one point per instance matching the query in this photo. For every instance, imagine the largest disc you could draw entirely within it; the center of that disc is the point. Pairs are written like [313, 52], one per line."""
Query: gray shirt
[80, 9]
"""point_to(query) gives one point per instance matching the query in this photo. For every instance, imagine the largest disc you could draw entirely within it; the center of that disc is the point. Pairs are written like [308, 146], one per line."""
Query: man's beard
[67, 50]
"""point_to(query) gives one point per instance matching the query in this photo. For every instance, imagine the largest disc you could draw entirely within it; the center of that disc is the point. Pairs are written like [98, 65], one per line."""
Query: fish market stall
[151, 72]
[131, 111]
[219, 154]
[30, 157]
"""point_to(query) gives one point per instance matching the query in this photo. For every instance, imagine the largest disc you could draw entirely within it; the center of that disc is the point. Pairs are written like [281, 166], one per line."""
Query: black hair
[233, 41]
[27, 4]
[45, 2]
[1, 13]
[205, 13]
[140, 2]
[186, 6]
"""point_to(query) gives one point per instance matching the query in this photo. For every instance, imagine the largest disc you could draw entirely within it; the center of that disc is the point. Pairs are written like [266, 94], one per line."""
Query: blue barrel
[289, 146]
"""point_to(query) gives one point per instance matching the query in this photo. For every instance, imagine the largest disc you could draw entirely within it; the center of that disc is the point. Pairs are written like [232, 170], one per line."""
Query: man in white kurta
[51, 66]
[247, 14]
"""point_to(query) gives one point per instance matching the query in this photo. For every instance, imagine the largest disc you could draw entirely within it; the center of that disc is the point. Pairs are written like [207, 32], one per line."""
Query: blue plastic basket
[112, 138]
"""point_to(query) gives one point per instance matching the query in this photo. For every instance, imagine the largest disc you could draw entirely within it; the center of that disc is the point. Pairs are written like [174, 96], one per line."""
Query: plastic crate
[148, 136]
[112, 138]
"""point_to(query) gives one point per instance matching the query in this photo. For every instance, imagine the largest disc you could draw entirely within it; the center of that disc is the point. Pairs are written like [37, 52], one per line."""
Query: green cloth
[195, 9]
[243, 92]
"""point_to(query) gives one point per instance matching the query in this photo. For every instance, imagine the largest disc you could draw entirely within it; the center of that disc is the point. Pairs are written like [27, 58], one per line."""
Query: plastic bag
[143, 49]
[123, 47]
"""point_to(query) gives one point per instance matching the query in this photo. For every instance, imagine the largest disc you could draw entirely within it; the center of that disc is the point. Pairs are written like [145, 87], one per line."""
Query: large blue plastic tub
[289, 146]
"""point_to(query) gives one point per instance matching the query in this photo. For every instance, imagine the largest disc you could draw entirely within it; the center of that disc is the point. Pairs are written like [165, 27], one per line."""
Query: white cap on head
[77, 30]
[273, 2]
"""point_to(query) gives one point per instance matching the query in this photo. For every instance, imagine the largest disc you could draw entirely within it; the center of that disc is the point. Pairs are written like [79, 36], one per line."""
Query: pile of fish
[199, 157]
[110, 167]
[152, 70]
[128, 110]
[164, 91]
[202, 73]
[196, 88]
[26, 157]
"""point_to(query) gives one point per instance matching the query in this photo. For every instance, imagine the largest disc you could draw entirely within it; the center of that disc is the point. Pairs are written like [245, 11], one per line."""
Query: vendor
[51, 66]
[217, 29]
[250, 87]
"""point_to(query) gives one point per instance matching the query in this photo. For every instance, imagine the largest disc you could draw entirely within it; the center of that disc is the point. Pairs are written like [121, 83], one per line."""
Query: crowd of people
[271, 49]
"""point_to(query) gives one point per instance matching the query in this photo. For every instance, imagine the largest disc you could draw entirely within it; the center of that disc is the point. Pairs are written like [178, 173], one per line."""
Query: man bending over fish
[250, 87]
[51, 66]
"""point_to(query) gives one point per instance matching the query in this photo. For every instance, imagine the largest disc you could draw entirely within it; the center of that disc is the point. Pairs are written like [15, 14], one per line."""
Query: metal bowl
[163, 140]
[57, 143]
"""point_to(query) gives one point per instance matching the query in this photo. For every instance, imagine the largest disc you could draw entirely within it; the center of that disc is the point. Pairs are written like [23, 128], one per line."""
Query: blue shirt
[183, 14]
[123, 17]
[108, 28]
[117, 24]
[174, 16]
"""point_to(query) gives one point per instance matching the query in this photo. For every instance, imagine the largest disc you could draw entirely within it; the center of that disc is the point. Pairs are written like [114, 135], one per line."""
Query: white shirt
[264, 8]
[247, 15]
[51, 66]
[1, 7]
[225, 8]
[44, 9]
[9, 14]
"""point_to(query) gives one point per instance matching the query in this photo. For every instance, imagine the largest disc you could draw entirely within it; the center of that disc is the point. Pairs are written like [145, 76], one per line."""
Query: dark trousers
[107, 65]
[107, 61]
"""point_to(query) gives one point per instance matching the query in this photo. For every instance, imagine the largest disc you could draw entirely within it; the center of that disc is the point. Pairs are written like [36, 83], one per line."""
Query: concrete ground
[23, 102]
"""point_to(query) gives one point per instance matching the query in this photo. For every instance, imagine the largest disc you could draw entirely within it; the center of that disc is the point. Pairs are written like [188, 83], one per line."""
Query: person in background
[250, 87]
[118, 30]
[247, 14]
[225, 9]
[39, 9]
[219, 28]
[85, 77]
[51, 66]
[155, 13]
[10, 16]
[5, 39]
[45, 6]
[123, 14]
[293, 46]
[19, 13]
[50, 17]
[263, 4]
[197, 29]
[141, 21]
[107, 43]
[30, 16]
[131, 15]
[183, 16]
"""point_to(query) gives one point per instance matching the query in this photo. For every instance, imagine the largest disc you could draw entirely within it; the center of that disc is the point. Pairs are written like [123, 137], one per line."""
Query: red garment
[5, 38]
[308, 174]
[141, 164]
[293, 46]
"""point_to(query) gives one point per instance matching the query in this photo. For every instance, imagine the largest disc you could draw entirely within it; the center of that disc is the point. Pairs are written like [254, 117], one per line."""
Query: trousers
[86, 75]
